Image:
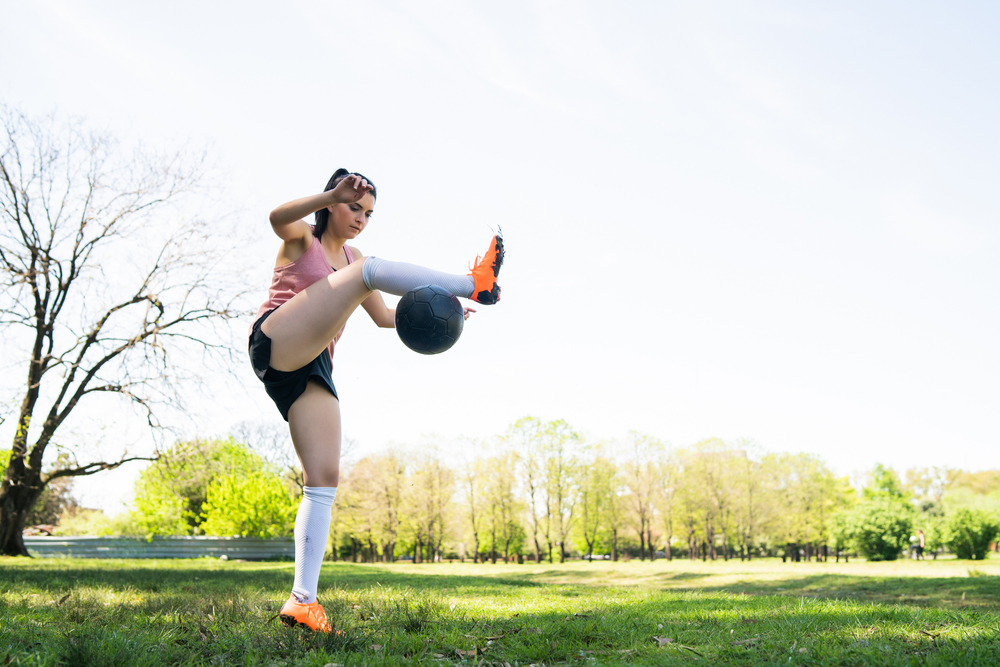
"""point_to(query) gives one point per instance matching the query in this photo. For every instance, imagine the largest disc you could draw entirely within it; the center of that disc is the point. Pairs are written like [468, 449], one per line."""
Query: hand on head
[351, 189]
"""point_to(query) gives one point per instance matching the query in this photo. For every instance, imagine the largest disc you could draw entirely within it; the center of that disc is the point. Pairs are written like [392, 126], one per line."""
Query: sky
[769, 220]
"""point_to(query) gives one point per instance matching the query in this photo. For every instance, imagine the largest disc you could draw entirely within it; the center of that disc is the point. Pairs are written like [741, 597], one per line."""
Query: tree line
[542, 491]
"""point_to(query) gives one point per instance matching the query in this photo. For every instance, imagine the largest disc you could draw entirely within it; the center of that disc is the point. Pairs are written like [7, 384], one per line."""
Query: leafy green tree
[598, 490]
[935, 529]
[504, 508]
[160, 509]
[249, 505]
[640, 472]
[802, 495]
[970, 532]
[171, 493]
[880, 527]
[840, 534]
[524, 435]
[426, 511]
[884, 483]
[561, 444]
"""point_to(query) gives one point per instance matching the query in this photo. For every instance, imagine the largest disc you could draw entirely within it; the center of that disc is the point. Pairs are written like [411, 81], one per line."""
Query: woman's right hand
[351, 189]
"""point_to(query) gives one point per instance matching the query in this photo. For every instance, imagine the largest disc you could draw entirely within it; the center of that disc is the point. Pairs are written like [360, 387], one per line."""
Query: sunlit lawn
[147, 612]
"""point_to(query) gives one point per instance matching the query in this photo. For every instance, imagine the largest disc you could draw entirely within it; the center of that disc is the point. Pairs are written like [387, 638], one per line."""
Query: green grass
[142, 612]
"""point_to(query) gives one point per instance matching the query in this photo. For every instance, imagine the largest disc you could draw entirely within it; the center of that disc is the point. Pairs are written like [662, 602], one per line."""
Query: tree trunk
[614, 545]
[15, 512]
[18, 494]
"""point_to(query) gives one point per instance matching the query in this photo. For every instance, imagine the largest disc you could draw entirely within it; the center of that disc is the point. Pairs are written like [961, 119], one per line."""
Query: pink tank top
[290, 279]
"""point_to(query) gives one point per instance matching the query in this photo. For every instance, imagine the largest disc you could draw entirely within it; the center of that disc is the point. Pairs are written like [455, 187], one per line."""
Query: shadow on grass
[944, 592]
[404, 626]
[212, 577]
[209, 576]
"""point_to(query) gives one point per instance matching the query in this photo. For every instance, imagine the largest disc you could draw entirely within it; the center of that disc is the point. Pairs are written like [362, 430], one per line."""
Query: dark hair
[323, 215]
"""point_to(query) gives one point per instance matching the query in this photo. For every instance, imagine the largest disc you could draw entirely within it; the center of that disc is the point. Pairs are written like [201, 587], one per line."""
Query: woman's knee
[328, 475]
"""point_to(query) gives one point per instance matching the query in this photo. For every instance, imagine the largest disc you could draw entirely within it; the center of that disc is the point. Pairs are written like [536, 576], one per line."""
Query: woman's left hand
[467, 311]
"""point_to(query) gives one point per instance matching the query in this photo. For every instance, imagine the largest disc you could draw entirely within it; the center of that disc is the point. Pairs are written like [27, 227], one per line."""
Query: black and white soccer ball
[429, 319]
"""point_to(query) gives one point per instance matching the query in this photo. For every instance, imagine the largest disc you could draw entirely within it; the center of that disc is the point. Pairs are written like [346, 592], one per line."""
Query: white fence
[244, 548]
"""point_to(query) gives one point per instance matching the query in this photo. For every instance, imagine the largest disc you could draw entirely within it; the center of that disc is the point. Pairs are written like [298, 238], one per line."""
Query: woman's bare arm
[381, 315]
[287, 220]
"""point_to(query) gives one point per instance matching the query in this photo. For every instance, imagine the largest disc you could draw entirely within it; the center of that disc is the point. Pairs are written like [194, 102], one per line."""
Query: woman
[318, 282]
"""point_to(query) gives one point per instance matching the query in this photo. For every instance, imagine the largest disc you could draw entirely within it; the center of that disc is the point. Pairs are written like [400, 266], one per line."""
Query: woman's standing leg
[314, 424]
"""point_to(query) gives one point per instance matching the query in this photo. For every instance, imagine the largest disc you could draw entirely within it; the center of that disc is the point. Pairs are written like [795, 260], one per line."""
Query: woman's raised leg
[305, 324]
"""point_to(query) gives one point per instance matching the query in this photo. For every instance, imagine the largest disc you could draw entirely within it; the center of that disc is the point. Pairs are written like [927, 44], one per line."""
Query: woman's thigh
[314, 423]
[305, 324]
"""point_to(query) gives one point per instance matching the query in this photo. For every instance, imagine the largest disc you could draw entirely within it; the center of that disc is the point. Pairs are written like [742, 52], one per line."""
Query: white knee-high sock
[399, 278]
[312, 529]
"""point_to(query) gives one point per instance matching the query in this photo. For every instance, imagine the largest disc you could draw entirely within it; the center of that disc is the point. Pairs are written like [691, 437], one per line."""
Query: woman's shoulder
[355, 253]
[293, 249]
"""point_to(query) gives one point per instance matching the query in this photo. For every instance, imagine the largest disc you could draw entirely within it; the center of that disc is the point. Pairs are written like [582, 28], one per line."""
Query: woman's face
[348, 220]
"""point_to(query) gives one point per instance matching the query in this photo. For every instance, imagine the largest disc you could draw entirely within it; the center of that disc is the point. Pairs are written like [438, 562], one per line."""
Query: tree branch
[92, 468]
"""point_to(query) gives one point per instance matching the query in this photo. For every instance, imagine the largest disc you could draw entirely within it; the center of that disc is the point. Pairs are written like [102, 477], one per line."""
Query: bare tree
[108, 291]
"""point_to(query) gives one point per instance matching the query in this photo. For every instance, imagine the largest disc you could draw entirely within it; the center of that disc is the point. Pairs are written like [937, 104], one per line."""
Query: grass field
[206, 612]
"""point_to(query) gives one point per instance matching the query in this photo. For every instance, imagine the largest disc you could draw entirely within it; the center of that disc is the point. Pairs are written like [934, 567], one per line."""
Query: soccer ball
[429, 319]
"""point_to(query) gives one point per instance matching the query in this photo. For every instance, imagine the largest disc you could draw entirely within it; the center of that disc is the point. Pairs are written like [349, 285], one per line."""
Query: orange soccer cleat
[312, 615]
[485, 273]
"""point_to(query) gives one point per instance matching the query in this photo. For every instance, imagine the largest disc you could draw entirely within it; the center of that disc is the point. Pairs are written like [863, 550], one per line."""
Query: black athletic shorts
[285, 387]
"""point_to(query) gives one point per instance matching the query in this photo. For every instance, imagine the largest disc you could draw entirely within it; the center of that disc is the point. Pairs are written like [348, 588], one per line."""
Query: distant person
[317, 283]
[920, 544]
